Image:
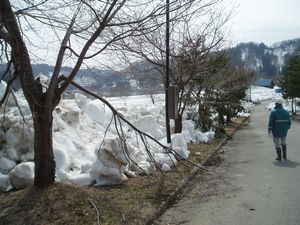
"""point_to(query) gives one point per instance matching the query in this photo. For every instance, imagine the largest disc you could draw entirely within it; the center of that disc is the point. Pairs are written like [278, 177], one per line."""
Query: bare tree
[195, 31]
[89, 28]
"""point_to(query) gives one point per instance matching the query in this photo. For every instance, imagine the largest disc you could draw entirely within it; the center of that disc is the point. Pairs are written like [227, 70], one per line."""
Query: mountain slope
[267, 61]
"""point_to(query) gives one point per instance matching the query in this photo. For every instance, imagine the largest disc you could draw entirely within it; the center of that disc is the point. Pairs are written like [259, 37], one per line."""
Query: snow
[5, 184]
[111, 163]
[2, 88]
[204, 137]
[22, 175]
[179, 145]
[149, 125]
[259, 94]
[6, 164]
[86, 145]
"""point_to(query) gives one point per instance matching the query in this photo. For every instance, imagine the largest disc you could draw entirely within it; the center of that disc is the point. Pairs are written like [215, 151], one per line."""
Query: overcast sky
[267, 21]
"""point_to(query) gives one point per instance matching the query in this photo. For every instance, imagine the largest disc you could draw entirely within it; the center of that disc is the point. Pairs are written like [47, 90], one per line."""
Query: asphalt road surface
[250, 187]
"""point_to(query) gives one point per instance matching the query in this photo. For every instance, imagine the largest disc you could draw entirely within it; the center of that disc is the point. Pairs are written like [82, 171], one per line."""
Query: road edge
[182, 184]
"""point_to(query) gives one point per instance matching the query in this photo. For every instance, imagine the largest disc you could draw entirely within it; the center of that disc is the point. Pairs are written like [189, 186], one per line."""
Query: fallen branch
[118, 117]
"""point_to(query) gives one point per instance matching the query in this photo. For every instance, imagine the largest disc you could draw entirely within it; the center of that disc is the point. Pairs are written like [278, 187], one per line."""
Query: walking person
[279, 123]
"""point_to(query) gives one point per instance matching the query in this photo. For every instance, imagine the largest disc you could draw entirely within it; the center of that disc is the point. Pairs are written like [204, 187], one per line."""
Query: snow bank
[111, 163]
[63, 149]
[6, 165]
[259, 94]
[188, 130]
[81, 100]
[19, 142]
[98, 112]
[79, 127]
[22, 175]
[179, 145]
[149, 125]
[71, 177]
[5, 184]
[204, 137]
[165, 159]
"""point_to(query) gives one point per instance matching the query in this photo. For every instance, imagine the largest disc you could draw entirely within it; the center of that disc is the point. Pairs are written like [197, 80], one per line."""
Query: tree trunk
[43, 150]
[202, 117]
[228, 119]
[220, 111]
[178, 124]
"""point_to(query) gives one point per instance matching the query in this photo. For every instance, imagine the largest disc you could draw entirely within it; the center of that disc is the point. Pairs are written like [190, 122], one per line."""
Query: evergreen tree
[291, 77]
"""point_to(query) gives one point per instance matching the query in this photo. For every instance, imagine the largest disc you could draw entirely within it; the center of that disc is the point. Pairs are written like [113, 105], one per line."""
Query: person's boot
[283, 151]
[278, 150]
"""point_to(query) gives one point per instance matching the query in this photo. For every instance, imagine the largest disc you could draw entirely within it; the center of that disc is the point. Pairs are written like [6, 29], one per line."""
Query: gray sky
[267, 21]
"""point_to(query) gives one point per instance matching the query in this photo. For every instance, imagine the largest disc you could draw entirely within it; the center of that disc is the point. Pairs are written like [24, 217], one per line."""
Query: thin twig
[97, 212]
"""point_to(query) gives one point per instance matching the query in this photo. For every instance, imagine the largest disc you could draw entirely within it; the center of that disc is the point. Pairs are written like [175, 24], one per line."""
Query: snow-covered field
[83, 156]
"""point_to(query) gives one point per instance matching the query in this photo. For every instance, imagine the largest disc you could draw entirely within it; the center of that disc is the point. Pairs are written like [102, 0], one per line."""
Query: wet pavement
[250, 187]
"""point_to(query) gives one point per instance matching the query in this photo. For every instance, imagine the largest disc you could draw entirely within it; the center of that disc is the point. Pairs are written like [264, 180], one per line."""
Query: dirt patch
[133, 202]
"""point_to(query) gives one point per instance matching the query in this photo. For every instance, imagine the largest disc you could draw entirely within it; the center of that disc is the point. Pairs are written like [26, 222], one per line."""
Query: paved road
[251, 187]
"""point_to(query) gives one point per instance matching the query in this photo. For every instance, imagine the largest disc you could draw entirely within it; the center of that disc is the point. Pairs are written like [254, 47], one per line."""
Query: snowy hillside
[265, 60]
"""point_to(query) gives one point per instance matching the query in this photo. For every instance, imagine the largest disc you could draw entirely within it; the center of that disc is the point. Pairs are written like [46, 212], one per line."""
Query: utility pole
[167, 82]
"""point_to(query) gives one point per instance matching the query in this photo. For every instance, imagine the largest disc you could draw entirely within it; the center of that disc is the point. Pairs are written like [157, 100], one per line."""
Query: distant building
[269, 83]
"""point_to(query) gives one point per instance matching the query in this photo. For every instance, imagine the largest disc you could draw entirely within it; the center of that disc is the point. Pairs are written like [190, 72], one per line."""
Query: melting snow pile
[83, 156]
[259, 94]
[87, 148]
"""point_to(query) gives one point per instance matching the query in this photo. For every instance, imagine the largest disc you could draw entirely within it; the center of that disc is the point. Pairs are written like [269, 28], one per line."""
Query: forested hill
[267, 61]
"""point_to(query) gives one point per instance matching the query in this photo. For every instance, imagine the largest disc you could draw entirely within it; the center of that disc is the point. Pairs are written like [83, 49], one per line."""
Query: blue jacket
[279, 121]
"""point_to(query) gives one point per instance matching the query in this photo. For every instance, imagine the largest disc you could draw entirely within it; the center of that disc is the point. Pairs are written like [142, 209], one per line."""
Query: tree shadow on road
[286, 163]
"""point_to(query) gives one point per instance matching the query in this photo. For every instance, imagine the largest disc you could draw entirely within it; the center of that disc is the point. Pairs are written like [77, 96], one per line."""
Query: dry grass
[133, 202]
